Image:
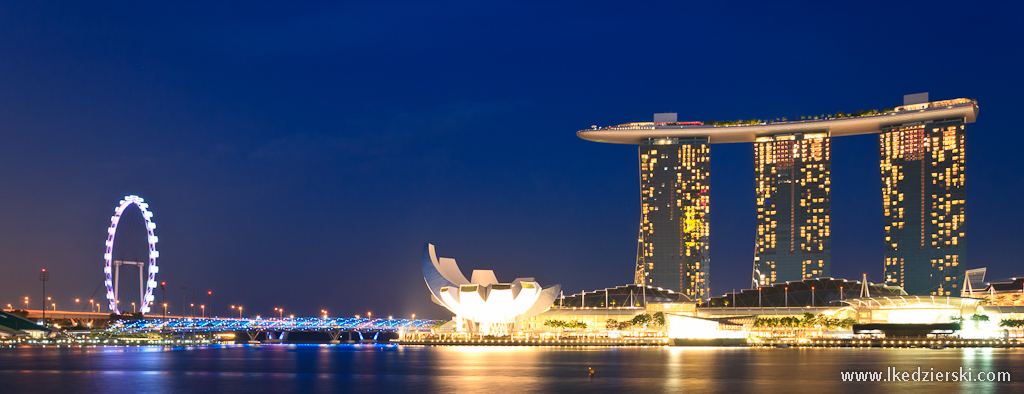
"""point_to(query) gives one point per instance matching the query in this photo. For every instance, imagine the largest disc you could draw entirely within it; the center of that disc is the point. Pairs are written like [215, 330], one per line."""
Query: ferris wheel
[112, 267]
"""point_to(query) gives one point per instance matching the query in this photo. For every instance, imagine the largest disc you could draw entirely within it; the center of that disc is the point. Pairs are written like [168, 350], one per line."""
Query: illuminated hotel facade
[923, 198]
[672, 249]
[921, 145]
[793, 207]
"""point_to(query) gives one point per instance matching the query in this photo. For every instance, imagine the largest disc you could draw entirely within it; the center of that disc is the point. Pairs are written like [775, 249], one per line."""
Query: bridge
[274, 330]
[34, 314]
[78, 318]
[297, 324]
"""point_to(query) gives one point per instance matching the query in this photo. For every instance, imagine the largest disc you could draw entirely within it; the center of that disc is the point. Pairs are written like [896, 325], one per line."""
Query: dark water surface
[498, 370]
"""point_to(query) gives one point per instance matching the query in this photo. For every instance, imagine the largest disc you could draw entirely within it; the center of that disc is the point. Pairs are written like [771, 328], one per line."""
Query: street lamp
[76, 304]
[44, 277]
[133, 308]
[163, 292]
[414, 316]
[203, 307]
[324, 312]
[369, 315]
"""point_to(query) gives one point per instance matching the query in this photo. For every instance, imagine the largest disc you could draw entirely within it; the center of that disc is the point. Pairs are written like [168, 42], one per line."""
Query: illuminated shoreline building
[921, 145]
[481, 304]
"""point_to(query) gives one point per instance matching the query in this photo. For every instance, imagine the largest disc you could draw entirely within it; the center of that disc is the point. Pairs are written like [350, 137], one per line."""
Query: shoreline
[906, 343]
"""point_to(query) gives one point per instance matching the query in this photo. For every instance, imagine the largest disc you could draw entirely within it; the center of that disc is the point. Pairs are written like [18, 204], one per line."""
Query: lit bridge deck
[283, 325]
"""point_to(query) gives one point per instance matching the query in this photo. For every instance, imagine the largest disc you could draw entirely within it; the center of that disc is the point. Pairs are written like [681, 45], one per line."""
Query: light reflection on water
[329, 369]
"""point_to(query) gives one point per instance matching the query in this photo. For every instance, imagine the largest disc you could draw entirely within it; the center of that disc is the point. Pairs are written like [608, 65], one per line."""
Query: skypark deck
[636, 133]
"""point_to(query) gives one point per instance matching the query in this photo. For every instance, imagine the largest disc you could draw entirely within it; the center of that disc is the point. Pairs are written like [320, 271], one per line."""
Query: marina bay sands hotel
[921, 162]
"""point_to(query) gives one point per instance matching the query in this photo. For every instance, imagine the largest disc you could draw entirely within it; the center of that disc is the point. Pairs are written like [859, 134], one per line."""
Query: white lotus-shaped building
[482, 304]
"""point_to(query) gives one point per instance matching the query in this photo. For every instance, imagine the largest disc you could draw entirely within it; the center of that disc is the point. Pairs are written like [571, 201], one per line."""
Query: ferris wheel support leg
[117, 275]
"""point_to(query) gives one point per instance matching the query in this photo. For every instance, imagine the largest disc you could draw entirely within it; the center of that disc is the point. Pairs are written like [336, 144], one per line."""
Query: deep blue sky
[300, 156]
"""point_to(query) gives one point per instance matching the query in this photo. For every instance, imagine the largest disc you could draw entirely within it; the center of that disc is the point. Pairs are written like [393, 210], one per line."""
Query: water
[500, 370]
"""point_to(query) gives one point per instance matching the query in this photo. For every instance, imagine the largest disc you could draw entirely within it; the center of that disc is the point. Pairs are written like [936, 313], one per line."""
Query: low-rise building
[483, 305]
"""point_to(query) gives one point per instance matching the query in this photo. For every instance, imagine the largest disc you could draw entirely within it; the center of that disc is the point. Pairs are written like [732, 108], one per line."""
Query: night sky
[300, 156]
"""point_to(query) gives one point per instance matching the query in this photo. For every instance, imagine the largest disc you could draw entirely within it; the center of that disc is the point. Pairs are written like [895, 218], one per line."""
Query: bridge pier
[335, 334]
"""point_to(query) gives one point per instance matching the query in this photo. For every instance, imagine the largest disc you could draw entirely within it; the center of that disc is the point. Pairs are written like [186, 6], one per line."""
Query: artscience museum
[482, 304]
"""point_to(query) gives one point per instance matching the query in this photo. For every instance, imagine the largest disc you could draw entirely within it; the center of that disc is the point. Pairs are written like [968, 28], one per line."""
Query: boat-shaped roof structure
[638, 132]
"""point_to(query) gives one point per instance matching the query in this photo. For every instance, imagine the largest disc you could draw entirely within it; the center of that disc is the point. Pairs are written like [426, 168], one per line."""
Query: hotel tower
[923, 199]
[672, 250]
[793, 207]
[921, 148]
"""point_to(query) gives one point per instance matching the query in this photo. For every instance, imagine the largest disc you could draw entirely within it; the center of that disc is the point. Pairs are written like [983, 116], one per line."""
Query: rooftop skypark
[837, 124]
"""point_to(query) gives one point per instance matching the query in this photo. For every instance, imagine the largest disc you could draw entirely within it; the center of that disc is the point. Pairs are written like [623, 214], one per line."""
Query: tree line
[837, 115]
[808, 320]
[642, 320]
[1012, 323]
[565, 324]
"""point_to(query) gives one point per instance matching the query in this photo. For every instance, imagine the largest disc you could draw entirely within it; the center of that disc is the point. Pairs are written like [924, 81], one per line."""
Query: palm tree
[658, 319]
[1013, 323]
[772, 324]
[978, 318]
[641, 321]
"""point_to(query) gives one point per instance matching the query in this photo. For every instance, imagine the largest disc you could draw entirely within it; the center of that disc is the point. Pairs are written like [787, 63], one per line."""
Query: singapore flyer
[147, 270]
